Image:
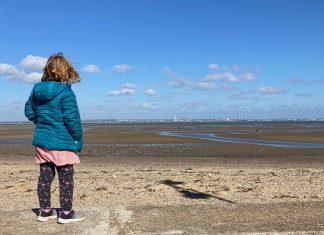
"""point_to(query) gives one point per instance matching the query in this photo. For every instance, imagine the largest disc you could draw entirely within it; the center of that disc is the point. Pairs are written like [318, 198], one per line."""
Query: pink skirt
[59, 158]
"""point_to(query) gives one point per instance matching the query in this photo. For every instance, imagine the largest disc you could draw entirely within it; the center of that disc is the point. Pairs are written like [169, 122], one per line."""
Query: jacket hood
[46, 91]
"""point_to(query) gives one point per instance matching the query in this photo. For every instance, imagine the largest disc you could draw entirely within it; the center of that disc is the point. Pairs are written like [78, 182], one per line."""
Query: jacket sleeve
[29, 110]
[71, 115]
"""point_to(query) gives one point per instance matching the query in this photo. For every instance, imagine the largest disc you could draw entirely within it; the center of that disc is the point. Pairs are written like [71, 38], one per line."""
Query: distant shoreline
[196, 121]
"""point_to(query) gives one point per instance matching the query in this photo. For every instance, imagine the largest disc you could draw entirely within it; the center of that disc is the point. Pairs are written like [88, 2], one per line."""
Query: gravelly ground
[179, 188]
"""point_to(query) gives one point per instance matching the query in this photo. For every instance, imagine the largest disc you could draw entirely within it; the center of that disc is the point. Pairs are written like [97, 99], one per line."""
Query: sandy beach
[172, 186]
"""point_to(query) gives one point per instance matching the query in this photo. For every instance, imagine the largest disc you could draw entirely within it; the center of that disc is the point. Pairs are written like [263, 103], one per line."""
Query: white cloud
[229, 77]
[214, 66]
[205, 85]
[32, 77]
[177, 81]
[213, 76]
[30, 62]
[147, 106]
[120, 68]
[90, 68]
[126, 89]
[266, 90]
[235, 68]
[25, 77]
[129, 86]
[11, 73]
[226, 76]
[150, 92]
[28, 70]
[8, 69]
[33, 62]
[248, 76]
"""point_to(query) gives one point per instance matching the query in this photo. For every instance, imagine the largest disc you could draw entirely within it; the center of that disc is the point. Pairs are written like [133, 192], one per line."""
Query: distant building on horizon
[175, 119]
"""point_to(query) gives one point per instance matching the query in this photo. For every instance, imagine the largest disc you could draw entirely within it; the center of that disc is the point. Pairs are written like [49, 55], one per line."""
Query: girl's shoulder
[68, 97]
[68, 92]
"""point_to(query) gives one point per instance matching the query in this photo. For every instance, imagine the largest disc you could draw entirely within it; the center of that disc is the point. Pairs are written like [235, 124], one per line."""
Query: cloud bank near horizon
[174, 92]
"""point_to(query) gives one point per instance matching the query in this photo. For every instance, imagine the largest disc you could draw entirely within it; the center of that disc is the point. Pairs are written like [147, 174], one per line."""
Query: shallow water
[214, 137]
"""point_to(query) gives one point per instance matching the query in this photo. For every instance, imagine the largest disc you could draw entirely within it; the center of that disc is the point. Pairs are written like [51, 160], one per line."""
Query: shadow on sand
[191, 193]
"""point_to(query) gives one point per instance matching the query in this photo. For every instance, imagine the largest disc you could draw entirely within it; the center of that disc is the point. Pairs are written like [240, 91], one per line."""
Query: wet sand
[201, 188]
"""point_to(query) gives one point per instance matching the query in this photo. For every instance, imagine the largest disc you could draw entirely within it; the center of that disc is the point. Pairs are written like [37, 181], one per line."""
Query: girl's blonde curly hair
[59, 69]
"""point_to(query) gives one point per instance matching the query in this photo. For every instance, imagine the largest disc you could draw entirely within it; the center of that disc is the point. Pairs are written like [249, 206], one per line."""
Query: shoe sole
[67, 221]
[45, 219]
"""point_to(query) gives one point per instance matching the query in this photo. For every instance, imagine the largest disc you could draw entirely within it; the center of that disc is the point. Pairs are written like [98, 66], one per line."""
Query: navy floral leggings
[47, 174]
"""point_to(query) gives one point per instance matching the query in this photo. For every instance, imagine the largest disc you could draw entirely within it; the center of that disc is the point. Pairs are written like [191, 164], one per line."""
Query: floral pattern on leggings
[47, 175]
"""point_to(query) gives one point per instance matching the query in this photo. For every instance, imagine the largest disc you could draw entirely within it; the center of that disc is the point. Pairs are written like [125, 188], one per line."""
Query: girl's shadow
[191, 193]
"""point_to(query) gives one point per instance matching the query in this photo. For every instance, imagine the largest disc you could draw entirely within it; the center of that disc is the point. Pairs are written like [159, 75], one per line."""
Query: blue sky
[154, 59]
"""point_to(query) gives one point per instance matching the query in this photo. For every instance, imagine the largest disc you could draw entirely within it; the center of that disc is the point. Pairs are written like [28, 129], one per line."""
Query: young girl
[52, 106]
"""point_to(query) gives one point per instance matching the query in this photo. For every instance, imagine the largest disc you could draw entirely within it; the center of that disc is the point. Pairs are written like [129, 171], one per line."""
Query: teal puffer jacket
[52, 106]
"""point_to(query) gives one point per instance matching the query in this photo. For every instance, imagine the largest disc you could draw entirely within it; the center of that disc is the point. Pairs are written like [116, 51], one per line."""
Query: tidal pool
[272, 143]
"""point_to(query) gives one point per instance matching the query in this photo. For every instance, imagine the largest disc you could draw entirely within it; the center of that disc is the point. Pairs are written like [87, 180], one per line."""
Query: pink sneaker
[44, 216]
